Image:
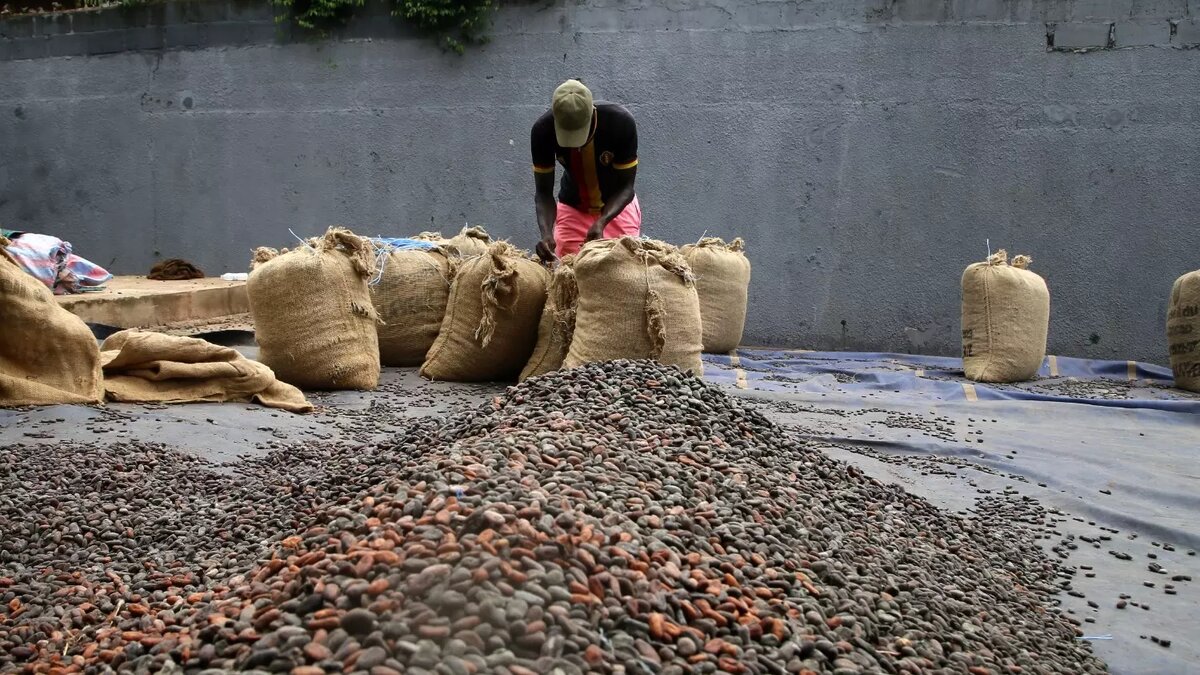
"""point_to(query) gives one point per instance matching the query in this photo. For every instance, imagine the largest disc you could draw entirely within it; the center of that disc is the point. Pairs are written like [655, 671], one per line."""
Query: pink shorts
[571, 226]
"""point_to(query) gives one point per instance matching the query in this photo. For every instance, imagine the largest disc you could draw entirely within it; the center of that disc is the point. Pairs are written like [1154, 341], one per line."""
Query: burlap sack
[1005, 320]
[410, 297]
[1183, 331]
[312, 313]
[557, 324]
[637, 300]
[723, 284]
[470, 242]
[47, 354]
[143, 366]
[491, 321]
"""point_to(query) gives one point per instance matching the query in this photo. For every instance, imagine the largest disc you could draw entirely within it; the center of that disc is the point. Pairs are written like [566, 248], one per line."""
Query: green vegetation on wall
[453, 23]
[318, 15]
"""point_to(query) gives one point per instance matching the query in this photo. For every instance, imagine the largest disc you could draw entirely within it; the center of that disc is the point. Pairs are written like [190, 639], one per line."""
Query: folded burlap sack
[142, 366]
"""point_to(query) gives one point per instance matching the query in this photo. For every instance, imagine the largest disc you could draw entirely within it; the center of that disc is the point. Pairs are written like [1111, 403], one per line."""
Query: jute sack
[557, 324]
[1183, 331]
[1005, 320]
[637, 300]
[47, 354]
[491, 321]
[470, 242]
[410, 298]
[312, 313]
[723, 284]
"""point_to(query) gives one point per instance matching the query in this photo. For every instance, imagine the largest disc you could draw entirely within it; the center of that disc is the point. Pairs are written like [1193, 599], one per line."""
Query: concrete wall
[867, 150]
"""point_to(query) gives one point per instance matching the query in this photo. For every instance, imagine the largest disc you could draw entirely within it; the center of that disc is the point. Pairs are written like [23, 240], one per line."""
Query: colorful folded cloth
[52, 261]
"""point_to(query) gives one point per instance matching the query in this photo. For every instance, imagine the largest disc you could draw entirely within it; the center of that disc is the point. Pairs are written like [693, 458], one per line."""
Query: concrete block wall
[866, 150]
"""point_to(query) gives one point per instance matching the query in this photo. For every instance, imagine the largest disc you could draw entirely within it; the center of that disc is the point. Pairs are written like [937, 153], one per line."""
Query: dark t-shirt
[591, 172]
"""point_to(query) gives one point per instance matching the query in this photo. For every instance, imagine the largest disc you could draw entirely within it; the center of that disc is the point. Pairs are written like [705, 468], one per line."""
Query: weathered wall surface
[867, 150]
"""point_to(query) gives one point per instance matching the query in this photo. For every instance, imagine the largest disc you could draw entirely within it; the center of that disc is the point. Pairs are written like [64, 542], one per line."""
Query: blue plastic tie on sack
[403, 244]
[385, 245]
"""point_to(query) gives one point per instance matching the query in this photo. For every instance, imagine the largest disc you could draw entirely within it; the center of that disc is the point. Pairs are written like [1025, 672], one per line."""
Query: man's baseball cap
[572, 108]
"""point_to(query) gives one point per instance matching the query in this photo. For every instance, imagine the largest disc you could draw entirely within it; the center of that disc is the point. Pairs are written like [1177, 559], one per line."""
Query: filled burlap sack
[491, 321]
[470, 242]
[1005, 320]
[723, 284]
[312, 312]
[410, 294]
[47, 354]
[637, 300]
[1183, 331]
[557, 324]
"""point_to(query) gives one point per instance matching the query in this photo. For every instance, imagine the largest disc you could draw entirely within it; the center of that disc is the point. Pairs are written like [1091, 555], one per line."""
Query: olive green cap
[572, 109]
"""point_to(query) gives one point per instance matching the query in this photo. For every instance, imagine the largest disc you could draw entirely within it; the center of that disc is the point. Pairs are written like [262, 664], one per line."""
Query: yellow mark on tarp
[736, 362]
[969, 392]
[1132, 370]
[781, 351]
[1053, 365]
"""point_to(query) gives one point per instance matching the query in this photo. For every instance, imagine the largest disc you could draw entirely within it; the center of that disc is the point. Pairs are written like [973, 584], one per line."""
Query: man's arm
[547, 211]
[541, 146]
[622, 197]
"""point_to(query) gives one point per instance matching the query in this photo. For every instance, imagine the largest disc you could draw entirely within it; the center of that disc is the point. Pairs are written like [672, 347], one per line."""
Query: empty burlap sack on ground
[47, 354]
[470, 242]
[557, 324]
[410, 297]
[312, 313]
[723, 284]
[142, 366]
[637, 300]
[491, 321]
[1183, 331]
[1005, 320]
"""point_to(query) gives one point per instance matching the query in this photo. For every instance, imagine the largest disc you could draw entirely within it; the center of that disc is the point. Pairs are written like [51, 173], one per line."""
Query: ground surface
[1116, 482]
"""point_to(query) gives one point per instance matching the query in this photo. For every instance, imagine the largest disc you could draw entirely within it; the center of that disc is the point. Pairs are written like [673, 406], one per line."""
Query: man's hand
[545, 250]
[596, 231]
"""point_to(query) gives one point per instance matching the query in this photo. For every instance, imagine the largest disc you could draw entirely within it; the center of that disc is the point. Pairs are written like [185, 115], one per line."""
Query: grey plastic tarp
[1112, 444]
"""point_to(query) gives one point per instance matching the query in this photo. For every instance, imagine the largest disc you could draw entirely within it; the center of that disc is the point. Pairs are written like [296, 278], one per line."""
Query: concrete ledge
[131, 302]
